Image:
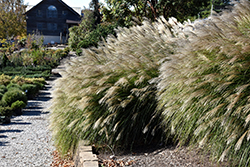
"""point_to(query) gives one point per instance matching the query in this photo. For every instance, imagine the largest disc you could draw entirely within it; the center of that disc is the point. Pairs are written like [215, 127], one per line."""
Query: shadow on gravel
[31, 113]
[11, 130]
[32, 108]
[44, 99]
[3, 143]
[17, 123]
[35, 106]
[3, 136]
[42, 95]
[48, 86]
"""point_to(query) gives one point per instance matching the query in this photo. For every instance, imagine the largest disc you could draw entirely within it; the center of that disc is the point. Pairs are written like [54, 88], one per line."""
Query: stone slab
[90, 164]
[87, 156]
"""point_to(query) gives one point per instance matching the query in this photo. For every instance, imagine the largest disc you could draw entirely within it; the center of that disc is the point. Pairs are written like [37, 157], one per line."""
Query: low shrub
[30, 72]
[18, 80]
[40, 80]
[30, 89]
[39, 85]
[5, 79]
[6, 111]
[18, 105]
[3, 89]
[1, 95]
[4, 61]
[13, 95]
[13, 86]
[36, 57]
[3, 103]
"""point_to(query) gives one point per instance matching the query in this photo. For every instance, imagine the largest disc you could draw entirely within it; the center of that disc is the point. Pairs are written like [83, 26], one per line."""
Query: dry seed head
[122, 82]
[111, 92]
[224, 154]
[239, 142]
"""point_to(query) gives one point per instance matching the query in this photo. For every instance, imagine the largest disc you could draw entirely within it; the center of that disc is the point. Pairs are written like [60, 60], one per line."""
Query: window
[39, 13]
[52, 26]
[52, 12]
[64, 12]
[40, 26]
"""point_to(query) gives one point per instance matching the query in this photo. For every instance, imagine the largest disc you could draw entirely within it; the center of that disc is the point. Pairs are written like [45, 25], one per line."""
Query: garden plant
[14, 93]
[188, 83]
[23, 74]
[107, 95]
[204, 88]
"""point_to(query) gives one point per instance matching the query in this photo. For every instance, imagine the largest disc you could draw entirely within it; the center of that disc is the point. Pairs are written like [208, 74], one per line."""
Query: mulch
[60, 161]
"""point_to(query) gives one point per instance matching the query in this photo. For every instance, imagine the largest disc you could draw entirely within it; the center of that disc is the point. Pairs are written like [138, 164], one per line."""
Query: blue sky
[71, 3]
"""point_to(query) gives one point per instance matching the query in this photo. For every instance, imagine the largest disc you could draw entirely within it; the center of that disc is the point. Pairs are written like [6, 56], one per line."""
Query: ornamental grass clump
[204, 88]
[107, 95]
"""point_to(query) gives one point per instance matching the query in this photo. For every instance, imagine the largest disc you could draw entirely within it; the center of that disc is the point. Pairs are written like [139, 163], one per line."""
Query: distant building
[52, 18]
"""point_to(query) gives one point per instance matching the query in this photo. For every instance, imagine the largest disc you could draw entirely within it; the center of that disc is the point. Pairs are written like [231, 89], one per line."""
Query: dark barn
[52, 19]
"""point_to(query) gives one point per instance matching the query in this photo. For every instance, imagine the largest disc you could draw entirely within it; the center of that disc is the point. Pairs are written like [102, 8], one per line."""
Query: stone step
[84, 156]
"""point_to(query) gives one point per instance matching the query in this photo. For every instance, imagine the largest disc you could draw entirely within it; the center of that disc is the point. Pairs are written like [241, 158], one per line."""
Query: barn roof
[75, 10]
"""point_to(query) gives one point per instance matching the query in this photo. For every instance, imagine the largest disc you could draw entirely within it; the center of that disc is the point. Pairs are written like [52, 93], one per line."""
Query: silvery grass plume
[105, 96]
[204, 88]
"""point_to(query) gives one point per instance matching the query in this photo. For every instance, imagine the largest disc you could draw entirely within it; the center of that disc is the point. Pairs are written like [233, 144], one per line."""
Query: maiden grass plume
[105, 96]
[204, 89]
[186, 82]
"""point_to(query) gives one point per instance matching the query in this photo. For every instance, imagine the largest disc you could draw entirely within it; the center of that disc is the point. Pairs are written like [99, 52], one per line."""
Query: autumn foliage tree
[12, 20]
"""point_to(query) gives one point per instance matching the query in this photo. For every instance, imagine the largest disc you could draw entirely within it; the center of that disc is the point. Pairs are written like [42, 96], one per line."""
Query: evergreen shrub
[18, 105]
[1, 95]
[5, 79]
[30, 89]
[3, 89]
[13, 95]
[3, 103]
[6, 111]
[12, 86]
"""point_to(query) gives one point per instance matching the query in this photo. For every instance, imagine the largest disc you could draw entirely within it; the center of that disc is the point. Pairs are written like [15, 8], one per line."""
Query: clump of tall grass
[105, 96]
[204, 88]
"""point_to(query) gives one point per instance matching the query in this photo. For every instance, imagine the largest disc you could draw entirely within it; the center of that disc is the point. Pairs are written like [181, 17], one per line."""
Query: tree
[96, 9]
[78, 33]
[214, 6]
[122, 11]
[180, 9]
[12, 20]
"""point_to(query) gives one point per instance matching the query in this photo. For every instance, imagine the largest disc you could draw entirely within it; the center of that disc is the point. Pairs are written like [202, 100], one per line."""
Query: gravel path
[26, 141]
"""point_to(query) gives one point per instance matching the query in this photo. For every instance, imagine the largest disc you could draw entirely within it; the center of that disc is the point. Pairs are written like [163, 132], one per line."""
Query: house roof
[75, 10]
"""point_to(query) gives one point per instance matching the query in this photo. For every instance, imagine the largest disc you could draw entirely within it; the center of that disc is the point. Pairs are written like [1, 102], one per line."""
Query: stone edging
[84, 156]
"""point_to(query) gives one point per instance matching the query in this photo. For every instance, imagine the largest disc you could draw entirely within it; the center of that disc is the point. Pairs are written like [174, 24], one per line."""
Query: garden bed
[23, 74]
